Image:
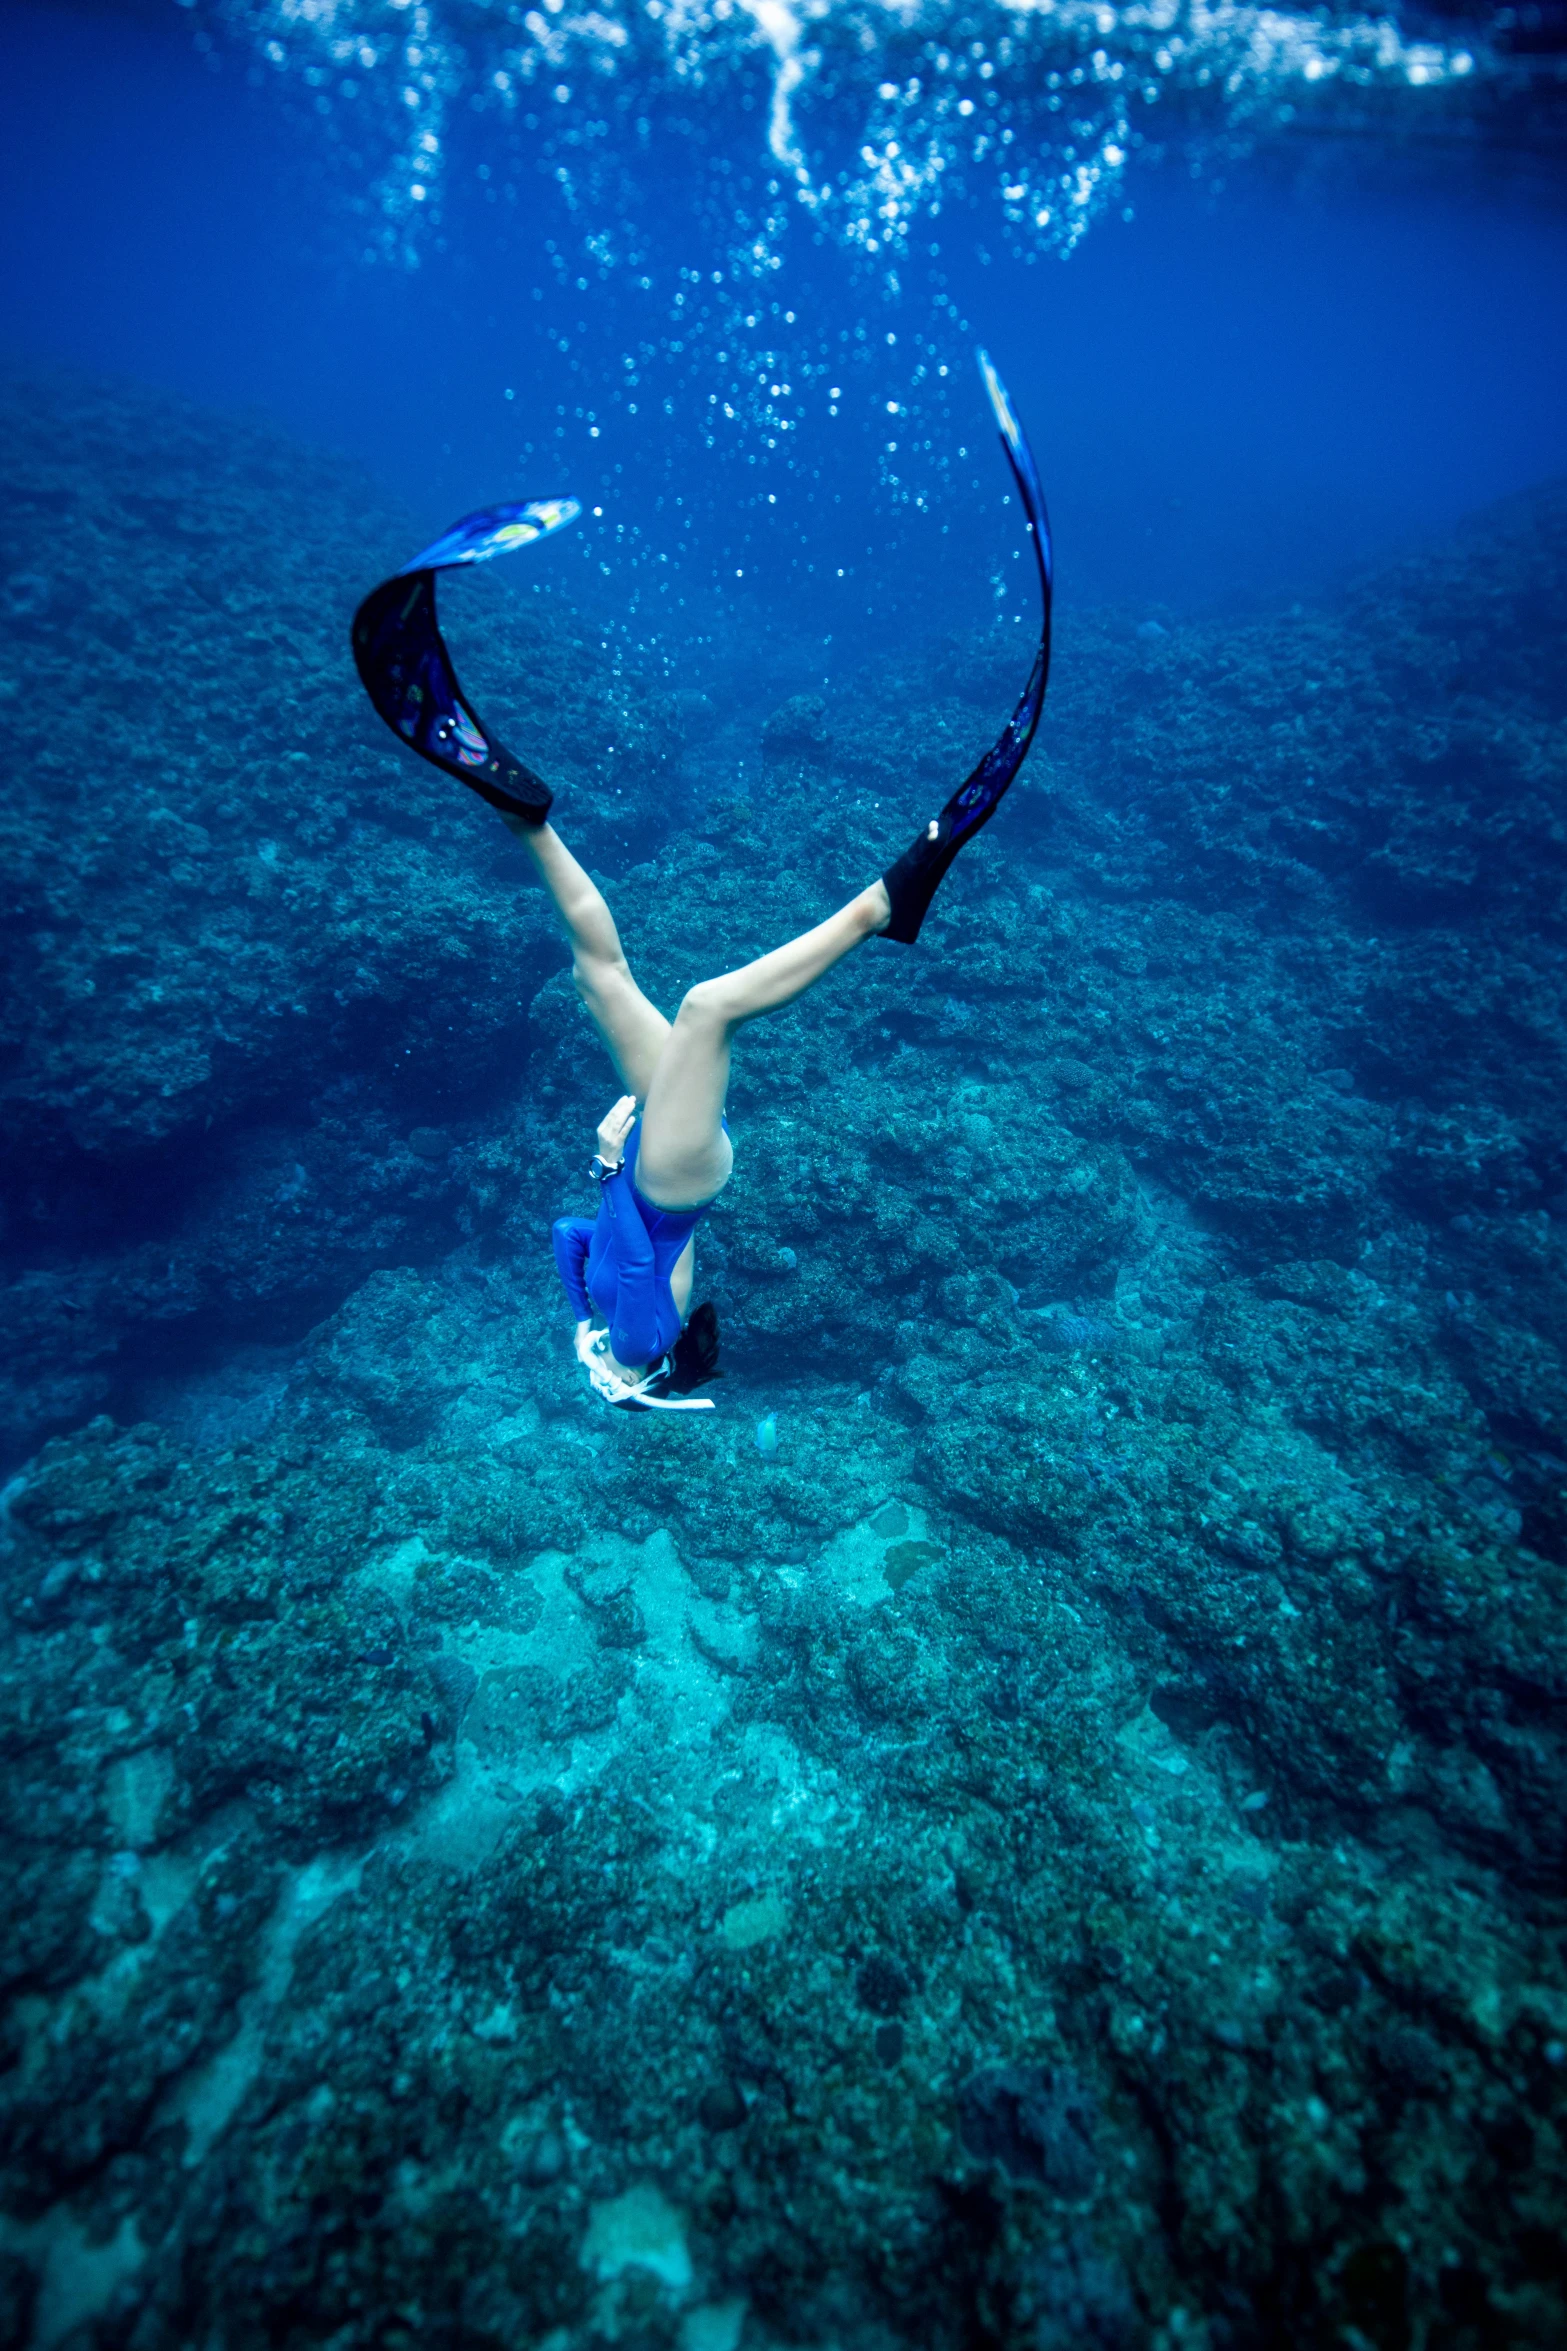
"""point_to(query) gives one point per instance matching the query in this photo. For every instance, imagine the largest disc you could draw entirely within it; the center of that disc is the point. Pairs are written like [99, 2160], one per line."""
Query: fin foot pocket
[913, 881]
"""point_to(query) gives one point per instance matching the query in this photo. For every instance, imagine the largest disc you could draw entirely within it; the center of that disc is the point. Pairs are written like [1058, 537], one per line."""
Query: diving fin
[913, 881]
[407, 671]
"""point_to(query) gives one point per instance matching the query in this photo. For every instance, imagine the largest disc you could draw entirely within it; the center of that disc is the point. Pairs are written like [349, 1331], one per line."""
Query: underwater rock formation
[235, 917]
[1064, 1845]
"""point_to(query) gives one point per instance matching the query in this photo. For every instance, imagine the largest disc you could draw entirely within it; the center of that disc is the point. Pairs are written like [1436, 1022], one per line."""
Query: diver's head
[609, 1375]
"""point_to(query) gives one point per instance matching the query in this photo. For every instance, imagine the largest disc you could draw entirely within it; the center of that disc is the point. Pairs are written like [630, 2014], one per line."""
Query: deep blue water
[1039, 1823]
[1277, 366]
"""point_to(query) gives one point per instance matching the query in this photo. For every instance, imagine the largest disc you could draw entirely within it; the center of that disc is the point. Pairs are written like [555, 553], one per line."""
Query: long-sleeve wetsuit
[620, 1263]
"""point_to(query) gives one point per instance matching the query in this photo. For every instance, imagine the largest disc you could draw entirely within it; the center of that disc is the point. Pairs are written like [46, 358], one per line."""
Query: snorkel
[640, 1392]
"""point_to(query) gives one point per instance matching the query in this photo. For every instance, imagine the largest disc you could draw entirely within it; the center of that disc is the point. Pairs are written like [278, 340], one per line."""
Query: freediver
[664, 1153]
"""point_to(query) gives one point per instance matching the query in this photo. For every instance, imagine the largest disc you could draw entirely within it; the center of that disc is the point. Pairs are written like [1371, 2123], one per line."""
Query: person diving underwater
[664, 1152]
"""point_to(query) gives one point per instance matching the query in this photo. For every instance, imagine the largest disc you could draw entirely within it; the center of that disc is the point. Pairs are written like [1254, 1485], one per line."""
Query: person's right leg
[684, 1156]
[634, 1030]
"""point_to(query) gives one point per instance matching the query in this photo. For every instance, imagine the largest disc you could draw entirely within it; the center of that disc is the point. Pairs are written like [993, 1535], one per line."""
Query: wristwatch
[601, 1169]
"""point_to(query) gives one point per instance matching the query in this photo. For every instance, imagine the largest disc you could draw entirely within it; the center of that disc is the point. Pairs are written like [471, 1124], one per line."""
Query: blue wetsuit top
[621, 1261]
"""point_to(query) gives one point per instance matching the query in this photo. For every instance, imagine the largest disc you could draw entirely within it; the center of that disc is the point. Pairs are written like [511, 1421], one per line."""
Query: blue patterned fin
[407, 671]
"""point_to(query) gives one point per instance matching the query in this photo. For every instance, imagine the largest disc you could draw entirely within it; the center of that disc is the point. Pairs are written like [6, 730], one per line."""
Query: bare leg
[634, 1030]
[684, 1155]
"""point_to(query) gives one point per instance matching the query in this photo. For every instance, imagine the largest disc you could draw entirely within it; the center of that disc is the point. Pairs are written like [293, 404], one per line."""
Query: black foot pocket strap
[913, 881]
[407, 671]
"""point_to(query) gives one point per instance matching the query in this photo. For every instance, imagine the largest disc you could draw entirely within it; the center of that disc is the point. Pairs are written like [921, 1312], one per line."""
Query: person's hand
[590, 1347]
[611, 1379]
[615, 1126]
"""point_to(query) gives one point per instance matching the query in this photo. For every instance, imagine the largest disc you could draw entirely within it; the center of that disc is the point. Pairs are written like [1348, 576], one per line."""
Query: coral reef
[257, 964]
[1063, 1844]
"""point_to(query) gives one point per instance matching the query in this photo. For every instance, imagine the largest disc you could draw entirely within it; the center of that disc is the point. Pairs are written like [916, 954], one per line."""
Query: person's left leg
[684, 1155]
[634, 1030]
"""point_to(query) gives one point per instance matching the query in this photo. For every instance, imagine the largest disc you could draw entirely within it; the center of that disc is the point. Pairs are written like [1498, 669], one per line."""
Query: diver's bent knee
[708, 1005]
